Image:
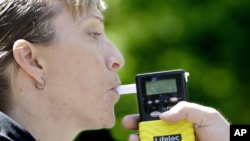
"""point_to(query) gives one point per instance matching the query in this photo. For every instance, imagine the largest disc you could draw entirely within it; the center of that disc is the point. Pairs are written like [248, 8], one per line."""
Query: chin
[104, 125]
[110, 123]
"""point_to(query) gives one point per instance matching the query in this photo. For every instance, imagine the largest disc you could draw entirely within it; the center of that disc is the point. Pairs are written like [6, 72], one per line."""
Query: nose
[115, 61]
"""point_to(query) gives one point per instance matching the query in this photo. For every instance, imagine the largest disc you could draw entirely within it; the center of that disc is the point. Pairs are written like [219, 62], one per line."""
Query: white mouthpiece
[126, 89]
[186, 76]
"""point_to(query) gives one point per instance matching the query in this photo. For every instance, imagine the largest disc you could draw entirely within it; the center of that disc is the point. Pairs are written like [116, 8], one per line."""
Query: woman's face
[81, 71]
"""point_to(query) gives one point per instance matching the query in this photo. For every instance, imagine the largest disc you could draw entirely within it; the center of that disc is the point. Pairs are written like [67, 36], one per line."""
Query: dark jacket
[11, 131]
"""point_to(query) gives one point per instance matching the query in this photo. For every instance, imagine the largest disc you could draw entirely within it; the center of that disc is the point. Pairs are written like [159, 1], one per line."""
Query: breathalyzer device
[158, 92]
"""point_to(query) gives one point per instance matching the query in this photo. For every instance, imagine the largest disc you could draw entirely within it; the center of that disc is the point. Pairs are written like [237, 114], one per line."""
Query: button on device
[150, 102]
[174, 99]
[155, 114]
[157, 101]
[164, 101]
[163, 109]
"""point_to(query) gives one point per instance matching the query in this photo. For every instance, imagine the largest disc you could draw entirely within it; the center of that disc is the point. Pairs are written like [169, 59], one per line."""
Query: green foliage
[210, 39]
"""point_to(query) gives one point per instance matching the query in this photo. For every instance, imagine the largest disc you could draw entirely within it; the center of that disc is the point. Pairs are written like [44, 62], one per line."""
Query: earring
[43, 86]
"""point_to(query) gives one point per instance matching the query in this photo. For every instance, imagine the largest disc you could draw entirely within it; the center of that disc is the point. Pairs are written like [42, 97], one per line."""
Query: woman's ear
[25, 55]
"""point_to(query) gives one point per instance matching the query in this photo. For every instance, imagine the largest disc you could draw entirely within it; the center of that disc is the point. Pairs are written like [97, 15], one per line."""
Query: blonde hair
[30, 20]
[79, 6]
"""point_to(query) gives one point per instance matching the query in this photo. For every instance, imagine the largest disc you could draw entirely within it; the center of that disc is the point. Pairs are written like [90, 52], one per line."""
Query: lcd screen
[161, 86]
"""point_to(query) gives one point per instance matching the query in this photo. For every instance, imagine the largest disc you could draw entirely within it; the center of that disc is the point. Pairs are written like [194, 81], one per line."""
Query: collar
[12, 131]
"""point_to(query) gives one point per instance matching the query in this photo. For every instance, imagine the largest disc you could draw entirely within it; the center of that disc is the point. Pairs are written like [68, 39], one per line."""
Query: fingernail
[196, 126]
[132, 137]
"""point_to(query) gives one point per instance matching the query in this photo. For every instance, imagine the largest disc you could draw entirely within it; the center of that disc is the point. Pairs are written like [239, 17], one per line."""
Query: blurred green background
[210, 39]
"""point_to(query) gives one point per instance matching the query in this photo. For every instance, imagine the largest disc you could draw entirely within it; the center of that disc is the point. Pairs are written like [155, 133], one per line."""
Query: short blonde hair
[79, 6]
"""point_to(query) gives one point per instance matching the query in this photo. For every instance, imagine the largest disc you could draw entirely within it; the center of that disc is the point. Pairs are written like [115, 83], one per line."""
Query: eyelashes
[95, 34]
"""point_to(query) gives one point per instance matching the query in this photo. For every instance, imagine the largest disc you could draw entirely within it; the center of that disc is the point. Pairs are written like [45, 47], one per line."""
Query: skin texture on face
[81, 70]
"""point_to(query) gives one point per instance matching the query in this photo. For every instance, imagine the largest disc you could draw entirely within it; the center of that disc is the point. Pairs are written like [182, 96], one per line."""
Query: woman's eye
[94, 34]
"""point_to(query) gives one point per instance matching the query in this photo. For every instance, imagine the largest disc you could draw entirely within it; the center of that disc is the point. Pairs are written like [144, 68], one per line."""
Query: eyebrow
[101, 19]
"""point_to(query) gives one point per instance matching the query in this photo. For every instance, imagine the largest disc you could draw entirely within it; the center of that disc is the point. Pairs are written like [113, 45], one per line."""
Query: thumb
[201, 115]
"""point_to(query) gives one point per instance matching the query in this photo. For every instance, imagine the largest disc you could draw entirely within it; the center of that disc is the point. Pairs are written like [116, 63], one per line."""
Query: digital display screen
[161, 86]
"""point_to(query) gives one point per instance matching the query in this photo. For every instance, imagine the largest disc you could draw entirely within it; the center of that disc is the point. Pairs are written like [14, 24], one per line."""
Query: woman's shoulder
[12, 131]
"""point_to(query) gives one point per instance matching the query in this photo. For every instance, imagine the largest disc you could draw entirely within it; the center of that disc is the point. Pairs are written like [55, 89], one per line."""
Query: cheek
[102, 104]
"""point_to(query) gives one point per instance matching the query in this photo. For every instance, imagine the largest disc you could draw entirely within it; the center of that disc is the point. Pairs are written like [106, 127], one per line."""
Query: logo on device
[168, 138]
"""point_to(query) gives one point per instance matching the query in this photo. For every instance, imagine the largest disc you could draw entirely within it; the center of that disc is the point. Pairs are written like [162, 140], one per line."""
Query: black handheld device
[158, 92]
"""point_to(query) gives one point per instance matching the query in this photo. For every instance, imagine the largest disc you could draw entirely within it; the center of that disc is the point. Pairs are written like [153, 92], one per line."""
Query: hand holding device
[158, 92]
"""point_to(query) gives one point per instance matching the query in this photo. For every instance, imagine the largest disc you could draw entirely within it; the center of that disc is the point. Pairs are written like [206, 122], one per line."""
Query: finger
[131, 121]
[195, 113]
[134, 137]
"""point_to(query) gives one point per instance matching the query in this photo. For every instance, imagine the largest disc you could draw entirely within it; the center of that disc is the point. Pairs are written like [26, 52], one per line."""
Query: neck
[42, 126]
[44, 114]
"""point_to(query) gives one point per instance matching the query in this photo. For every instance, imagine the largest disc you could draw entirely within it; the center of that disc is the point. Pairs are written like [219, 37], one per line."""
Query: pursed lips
[114, 89]
[116, 83]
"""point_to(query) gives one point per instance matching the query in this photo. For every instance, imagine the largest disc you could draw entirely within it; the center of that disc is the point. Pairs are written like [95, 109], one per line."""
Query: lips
[114, 89]
[114, 84]
[116, 92]
[117, 84]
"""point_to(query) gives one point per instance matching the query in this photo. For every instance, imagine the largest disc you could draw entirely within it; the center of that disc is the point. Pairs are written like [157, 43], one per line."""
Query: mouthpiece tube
[126, 89]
